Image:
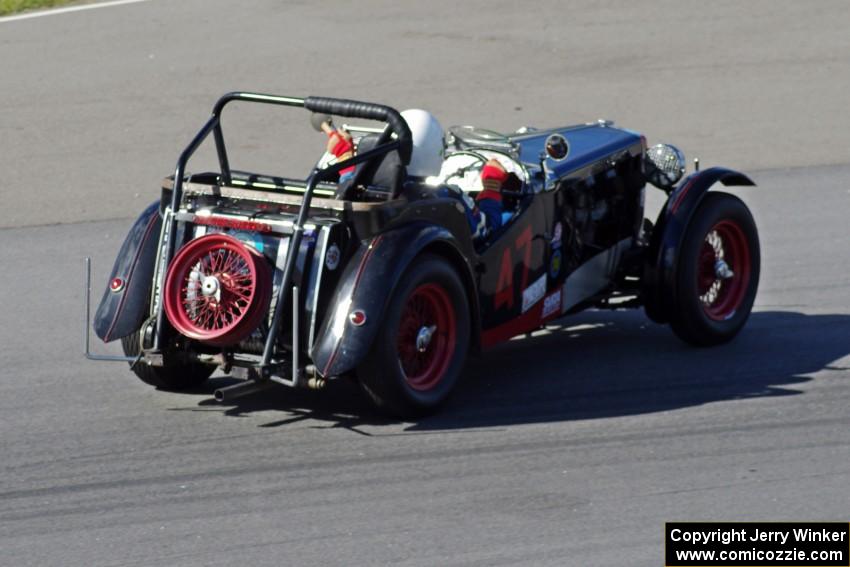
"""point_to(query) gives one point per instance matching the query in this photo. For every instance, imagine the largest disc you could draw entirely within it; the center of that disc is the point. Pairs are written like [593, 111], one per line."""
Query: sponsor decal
[552, 304]
[533, 293]
[555, 264]
[205, 217]
[332, 257]
[557, 233]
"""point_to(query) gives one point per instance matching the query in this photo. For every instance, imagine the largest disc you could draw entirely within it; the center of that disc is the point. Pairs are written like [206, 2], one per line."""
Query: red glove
[493, 175]
[341, 146]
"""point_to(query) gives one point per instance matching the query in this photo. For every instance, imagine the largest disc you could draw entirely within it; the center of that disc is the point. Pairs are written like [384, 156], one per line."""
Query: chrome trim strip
[319, 262]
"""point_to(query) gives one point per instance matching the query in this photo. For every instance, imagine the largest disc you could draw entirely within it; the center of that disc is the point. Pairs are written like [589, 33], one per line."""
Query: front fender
[368, 283]
[124, 307]
[669, 232]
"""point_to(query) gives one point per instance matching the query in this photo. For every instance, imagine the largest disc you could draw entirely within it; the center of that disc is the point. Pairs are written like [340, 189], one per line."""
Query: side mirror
[557, 147]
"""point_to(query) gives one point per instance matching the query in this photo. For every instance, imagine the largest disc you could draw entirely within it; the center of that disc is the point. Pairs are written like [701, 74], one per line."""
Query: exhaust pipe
[229, 393]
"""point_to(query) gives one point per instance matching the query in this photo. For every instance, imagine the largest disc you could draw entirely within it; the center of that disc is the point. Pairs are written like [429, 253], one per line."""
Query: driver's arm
[489, 201]
[340, 145]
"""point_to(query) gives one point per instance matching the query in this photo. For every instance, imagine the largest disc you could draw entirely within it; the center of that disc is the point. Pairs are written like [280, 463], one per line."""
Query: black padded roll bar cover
[368, 111]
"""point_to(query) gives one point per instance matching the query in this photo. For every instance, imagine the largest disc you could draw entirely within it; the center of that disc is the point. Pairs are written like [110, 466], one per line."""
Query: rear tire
[172, 377]
[710, 308]
[419, 350]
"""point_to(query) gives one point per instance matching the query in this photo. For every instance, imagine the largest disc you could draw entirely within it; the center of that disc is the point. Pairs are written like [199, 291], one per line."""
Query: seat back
[385, 172]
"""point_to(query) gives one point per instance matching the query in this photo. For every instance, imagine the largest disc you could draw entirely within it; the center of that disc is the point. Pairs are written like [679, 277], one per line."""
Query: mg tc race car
[378, 267]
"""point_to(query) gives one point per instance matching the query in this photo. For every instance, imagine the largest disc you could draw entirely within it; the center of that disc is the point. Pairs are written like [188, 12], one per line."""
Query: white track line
[57, 11]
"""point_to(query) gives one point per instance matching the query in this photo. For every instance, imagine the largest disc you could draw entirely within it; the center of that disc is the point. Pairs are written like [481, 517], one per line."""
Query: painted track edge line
[68, 9]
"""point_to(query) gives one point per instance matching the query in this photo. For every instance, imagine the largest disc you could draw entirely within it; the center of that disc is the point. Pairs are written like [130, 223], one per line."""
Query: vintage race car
[381, 278]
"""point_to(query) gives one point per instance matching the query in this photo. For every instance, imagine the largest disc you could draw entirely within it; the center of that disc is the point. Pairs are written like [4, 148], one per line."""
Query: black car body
[381, 279]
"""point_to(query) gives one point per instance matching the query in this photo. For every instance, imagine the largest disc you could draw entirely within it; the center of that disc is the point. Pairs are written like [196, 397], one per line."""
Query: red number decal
[505, 286]
[524, 241]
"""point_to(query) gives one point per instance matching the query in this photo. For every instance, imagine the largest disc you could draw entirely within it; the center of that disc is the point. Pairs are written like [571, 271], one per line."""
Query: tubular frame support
[296, 329]
[224, 163]
[168, 223]
[213, 125]
[291, 259]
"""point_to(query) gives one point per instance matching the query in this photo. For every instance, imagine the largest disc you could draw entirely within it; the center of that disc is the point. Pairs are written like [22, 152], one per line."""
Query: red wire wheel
[724, 268]
[716, 275]
[217, 290]
[426, 336]
[420, 345]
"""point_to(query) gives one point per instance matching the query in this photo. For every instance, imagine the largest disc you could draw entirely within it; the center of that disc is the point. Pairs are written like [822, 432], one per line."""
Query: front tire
[419, 350]
[717, 272]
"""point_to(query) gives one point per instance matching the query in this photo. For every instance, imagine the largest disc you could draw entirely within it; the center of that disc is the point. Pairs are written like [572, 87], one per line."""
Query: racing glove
[341, 146]
[489, 201]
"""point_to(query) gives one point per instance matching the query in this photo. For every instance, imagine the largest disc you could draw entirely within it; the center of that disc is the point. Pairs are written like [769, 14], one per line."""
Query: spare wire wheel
[217, 290]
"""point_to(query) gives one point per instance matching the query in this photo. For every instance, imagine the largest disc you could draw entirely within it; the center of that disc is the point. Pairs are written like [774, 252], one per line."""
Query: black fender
[124, 305]
[669, 232]
[367, 284]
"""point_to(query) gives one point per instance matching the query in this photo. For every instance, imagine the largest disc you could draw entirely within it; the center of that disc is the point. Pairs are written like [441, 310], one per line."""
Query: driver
[489, 201]
[484, 213]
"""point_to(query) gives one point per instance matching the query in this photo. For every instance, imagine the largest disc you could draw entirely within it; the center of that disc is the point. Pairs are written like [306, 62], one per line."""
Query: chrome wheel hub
[210, 287]
[722, 270]
[424, 336]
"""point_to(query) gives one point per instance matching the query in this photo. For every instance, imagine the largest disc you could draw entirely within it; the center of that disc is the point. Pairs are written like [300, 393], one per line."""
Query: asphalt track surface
[570, 447]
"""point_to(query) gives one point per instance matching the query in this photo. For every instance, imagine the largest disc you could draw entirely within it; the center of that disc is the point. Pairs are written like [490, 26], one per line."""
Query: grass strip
[12, 6]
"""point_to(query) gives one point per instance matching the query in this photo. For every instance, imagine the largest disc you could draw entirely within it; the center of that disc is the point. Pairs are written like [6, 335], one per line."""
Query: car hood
[588, 144]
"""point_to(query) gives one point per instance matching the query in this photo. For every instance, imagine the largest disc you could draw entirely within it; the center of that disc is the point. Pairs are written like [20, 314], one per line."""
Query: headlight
[665, 165]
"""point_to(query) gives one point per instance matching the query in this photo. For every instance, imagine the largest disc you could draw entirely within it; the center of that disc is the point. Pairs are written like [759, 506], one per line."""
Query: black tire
[708, 311]
[173, 377]
[400, 379]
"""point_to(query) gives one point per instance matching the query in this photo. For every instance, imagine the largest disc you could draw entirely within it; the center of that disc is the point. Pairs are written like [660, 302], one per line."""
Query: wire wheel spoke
[723, 270]
[217, 289]
[425, 340]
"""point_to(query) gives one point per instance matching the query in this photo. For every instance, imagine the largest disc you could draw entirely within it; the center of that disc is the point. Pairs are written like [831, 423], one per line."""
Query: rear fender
[669, 233]
[124, 305]
[368, 283]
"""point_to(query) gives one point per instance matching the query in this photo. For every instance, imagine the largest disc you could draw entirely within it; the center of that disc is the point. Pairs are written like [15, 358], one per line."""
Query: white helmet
[427, 134]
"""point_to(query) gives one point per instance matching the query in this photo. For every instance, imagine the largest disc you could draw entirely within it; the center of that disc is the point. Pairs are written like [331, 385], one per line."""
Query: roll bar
[369, 111]
[336, 106]
[340, 107]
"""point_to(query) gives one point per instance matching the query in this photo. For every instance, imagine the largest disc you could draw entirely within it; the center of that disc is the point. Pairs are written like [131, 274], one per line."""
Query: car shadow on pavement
[341, 404]
[592, 365]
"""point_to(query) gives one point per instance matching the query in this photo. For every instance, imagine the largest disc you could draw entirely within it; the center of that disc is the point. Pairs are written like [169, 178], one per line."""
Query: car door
[516, 283]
